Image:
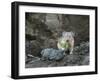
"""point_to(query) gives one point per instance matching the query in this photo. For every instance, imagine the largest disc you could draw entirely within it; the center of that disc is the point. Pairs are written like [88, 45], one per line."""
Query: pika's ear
[73, 33]
[63, 33]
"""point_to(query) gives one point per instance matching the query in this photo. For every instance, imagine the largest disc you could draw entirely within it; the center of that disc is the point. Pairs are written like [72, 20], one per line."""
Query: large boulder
[52, 54]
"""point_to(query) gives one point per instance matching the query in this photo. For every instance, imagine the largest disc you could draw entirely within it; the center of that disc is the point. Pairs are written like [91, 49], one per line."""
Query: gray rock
[33, 48]
[52, 54]
[82, 49]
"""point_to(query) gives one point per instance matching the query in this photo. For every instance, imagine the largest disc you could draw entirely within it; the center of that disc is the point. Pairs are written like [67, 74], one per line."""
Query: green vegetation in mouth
[64, 44]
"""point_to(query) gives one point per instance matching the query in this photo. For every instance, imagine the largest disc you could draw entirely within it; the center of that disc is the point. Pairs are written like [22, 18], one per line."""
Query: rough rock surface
[79, 57]
[52, 54]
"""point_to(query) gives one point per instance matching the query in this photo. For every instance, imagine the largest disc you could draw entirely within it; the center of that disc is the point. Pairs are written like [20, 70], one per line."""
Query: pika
[66, 42]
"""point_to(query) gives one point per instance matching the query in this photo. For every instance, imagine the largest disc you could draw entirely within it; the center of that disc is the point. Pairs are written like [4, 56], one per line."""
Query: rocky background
[42, 31]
